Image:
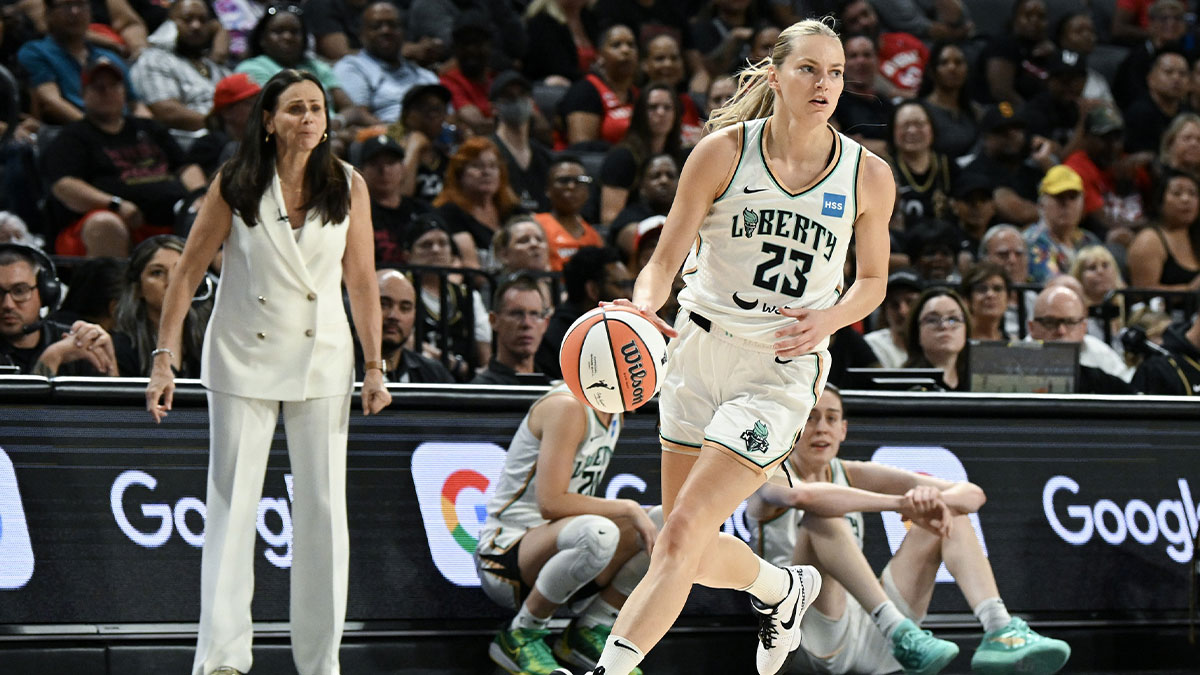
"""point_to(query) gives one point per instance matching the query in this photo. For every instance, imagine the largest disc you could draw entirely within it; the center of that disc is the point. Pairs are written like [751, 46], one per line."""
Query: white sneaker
[779, 625]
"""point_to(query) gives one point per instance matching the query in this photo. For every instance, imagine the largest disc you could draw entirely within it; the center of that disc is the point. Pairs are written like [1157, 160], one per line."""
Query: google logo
[456, 483]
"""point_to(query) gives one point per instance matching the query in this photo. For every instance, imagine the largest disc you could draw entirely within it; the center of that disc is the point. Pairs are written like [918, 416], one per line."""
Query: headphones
[48, 285]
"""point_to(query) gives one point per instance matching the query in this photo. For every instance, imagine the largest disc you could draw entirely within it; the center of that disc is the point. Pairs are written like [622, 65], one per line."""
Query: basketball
[612, 359]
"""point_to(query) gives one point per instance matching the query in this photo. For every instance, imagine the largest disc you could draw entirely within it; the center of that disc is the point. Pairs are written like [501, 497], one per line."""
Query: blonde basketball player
[767, 204]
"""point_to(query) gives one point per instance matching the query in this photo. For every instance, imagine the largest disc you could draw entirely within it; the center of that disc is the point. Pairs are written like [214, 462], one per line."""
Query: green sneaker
[918, 652]
[1016, 648]
[581, 645]
[522, 651]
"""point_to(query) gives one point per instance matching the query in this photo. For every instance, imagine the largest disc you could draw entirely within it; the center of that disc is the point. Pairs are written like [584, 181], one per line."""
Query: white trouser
[240, 431]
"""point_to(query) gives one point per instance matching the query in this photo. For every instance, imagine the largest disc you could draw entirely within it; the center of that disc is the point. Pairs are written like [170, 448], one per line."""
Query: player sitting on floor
[548, 538]
[865, 624]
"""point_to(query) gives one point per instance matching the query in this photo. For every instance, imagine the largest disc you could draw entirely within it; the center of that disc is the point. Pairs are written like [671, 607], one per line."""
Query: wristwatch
[114, 204]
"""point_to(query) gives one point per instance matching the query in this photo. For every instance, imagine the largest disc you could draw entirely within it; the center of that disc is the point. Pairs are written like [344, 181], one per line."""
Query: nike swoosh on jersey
[743, 304]
[747, 190]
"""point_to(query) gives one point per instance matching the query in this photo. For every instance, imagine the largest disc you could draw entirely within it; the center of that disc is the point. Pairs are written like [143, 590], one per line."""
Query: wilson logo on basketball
[633, 366]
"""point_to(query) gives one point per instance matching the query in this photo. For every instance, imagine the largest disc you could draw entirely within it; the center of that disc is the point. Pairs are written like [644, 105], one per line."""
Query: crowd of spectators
[521, 154]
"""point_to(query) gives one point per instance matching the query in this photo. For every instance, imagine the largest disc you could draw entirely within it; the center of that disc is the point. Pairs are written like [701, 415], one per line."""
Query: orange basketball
[612, 359]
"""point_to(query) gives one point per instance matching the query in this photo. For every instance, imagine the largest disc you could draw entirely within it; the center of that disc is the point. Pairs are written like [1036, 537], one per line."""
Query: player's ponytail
[754, 99]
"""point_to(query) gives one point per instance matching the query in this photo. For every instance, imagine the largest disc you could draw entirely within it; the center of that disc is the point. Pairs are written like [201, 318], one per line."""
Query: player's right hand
[658, 322]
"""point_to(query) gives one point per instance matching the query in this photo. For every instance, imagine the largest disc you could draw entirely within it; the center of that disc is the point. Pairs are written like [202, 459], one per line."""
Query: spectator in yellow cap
[1056, 237]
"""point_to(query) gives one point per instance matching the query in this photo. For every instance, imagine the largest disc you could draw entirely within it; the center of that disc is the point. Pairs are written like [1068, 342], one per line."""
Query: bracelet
[377, 365]
[162, 350]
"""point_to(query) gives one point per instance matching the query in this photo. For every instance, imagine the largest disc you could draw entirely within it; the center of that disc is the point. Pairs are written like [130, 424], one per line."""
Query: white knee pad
[635, 568]
[585, 547]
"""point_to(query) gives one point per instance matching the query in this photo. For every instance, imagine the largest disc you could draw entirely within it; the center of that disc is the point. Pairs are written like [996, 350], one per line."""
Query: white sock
[598, 613]
[526, 619]
[887, 618]
[992, 614]
[620, 656]
[771, 585]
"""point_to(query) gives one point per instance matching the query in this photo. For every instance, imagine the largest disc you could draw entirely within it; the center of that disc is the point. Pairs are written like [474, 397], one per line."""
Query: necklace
[932, 176]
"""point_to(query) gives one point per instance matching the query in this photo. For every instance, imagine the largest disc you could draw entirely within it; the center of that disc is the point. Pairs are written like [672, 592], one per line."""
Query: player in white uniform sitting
[767, 204]
[548, 538]
[865, 624]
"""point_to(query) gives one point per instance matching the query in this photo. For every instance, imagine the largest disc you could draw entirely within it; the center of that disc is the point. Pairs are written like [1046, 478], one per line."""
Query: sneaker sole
[567, 655]
[1036, 662]
[496, 652]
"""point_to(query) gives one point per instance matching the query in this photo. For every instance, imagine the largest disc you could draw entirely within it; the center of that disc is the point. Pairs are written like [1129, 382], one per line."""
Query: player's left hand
[802, 337]
[375, 396]
[924, 506]
[662, 326]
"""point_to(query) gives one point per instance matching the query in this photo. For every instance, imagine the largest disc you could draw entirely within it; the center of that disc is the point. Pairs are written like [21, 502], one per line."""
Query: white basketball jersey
[513, 508]
[775, 540]
[761, 247]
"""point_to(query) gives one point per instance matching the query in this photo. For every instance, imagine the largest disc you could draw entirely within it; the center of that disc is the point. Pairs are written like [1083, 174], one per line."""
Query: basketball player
[820, 522]
[768, 202]
[548, 538]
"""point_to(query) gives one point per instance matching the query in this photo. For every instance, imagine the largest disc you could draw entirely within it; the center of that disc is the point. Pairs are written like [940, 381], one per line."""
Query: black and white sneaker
[779, 625]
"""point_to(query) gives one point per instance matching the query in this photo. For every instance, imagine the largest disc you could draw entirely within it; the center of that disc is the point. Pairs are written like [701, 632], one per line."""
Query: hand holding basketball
[662, 326]
[612, 358]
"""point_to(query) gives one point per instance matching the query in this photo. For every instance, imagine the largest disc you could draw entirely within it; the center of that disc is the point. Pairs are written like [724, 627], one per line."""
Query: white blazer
[278, 329]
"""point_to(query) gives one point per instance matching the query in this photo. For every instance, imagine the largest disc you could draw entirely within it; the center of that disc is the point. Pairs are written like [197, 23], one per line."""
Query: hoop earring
[324, 136]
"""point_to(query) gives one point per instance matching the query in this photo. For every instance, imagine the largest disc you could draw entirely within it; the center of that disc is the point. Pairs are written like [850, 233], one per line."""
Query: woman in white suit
[295, 223]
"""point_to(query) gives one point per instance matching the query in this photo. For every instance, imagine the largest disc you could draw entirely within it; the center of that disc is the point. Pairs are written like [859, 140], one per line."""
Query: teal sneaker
[1016, 648]
[522, 651]
[582, 645]
[918, 652]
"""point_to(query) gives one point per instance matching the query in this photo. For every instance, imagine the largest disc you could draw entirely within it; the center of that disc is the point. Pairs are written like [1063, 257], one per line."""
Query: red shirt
[1100, 187]
[1140, 9]
[464, 92]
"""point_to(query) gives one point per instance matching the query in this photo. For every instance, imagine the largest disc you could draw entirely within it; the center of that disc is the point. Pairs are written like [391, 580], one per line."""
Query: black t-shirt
[324, 17]
[390, 223]
[864, 115]
[619, 169]
[582, 96]
[1051, 118]
[499, 373]
[1096, 381]
[139, 164]
[648, 22]
[848, 349]
[551, 49]
[529, 183]
[546, 359]
[925, 195]
[431, 179]
[457, 220]
[26, 359]
[1145, 123]
[1030, 72]
[1024, 181]
[208, 151]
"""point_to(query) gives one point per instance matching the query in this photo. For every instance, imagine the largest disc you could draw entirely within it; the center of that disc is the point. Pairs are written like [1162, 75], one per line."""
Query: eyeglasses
[573, 180]
[1054, 322]
[291, 9]
[521, 315]
[19, 293]
[937, 321]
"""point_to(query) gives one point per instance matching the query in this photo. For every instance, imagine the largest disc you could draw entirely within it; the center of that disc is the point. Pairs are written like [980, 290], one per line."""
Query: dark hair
[95, 283]
[589, 263]
[638, 138]
[130, 316]
[274, 10]
[931, 66]
[930, 233]
[981, 272]
[892, 129]
[1154, 208]
[912, 332]
[1061, 26]
[564, 158]
[519, 281]
[246, 177]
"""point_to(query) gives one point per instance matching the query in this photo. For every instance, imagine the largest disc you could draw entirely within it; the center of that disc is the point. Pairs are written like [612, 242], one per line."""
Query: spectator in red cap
[115, 178]
[232, 101]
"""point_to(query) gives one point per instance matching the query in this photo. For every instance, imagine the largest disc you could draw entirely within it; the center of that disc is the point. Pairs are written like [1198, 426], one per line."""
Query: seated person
[550, 540]
[1059, 315]
[936, 335]
[381, 160]
[115, 178]
[398, 302]
[39, 346]
[1176, 372]
[178, 84]
[462, 340]
[518, 318]
[53, 63]
[233, 99]
[566, 230]
[656, 192]
[140, 306]
[96, 285]
[868, 624]
[379, 76]
[903, 289]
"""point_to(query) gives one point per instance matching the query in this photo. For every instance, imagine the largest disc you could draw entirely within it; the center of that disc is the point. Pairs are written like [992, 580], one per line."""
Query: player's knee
[682, 535]
[595, 538]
